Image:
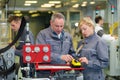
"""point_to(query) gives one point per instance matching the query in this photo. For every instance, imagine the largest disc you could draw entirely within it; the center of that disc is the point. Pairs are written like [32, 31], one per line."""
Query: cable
[4, 66]
[22, 26]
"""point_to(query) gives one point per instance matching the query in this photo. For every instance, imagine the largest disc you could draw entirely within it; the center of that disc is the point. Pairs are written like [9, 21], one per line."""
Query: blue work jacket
[59, 46]
[96, 51]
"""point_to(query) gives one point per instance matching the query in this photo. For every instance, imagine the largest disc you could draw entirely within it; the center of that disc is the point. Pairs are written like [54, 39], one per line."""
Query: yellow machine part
[75, 63]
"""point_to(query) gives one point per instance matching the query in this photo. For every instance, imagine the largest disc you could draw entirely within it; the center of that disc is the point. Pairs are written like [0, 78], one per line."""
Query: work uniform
[99, 30]
[59, 46]
[96, 51]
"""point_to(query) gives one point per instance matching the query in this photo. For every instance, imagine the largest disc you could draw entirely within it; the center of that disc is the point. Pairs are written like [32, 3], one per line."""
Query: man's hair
[57, 15]
[98, 18]
[13, 18]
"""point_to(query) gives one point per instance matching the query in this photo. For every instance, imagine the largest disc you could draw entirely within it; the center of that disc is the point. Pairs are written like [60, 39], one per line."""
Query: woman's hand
[84, 60]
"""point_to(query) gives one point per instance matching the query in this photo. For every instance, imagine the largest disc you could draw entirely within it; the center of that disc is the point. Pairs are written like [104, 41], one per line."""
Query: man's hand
[67, 58]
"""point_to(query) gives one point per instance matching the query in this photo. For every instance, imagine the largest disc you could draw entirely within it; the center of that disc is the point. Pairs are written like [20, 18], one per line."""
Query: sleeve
[40, 39]
[100, 33]
[31, 38]
[102, 59]
[18, 52]
[108, 37]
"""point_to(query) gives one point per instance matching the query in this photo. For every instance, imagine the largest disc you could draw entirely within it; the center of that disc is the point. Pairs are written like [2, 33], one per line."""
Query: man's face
[15, 25]
[57, 25]
[86, 30]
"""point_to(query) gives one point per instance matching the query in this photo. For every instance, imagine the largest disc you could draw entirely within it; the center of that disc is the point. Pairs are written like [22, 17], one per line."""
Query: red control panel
[36, 53]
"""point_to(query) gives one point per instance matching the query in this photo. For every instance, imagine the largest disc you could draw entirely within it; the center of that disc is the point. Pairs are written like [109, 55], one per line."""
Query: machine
[40, 56]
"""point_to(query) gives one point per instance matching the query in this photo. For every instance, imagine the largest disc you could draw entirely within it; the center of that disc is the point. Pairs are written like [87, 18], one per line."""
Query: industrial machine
[8, 67]
[40, 56]
[7, 63]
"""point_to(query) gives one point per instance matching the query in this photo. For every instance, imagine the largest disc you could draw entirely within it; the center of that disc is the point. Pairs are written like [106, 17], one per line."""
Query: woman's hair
[86, 21]
[57, 15]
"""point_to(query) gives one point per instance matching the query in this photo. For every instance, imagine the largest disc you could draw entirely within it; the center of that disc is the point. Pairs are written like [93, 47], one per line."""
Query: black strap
[8, 71]
[100, 33]
[22, 26]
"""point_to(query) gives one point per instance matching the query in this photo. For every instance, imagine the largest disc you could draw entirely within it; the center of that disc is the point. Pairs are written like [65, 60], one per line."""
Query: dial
[37, 49]
[45, 58]
[45, 49]
[28, 49]
[28, 58]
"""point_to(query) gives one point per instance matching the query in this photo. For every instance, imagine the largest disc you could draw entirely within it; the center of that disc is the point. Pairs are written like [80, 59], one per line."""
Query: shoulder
[44, 31]
[97, 28]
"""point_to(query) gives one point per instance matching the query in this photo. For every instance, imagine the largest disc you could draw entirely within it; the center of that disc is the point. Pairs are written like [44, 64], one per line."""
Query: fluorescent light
[76, 6]
[83, 5]
[17, 11]
[20, 14]
[73, 1]
[55, 2]
[58, 6]
[28, 2]
[92, 2]
[35, 15]
[47, 5]
[85, 2]
[32, 11]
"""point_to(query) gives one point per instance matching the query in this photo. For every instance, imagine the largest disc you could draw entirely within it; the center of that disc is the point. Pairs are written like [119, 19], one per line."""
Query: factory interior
[38, 14]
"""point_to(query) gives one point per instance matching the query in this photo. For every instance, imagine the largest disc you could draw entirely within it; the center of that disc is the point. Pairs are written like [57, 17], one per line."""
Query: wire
[4, 65]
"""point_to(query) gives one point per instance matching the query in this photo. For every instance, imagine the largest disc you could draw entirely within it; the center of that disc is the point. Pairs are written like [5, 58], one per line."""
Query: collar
[55, 35]
[86, 40]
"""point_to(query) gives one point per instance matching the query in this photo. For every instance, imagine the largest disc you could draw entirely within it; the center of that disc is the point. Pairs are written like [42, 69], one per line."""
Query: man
[99, 29]
[59, 40]
[15, 23]
[99, 23]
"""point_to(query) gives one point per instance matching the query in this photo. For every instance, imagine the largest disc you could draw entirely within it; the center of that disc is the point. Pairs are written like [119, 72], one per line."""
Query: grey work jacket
[96, 51]
[22, 40]
[58, 46]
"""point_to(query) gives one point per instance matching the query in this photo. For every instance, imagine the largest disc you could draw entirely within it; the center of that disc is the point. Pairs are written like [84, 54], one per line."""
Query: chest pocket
[55, 45]
[89, 53]
[66, 46]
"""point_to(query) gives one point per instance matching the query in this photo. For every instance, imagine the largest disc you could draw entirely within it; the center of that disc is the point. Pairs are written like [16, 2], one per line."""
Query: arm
[31, 37]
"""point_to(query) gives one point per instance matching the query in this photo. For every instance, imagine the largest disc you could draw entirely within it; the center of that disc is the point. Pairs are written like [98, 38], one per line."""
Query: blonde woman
[94, 53]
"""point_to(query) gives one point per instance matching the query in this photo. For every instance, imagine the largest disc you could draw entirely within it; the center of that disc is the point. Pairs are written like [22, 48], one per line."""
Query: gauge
[9, 62]
[28, 58]
[37, 49]
[9, 55]
[45, 49]
[28, 49]
[45, 58]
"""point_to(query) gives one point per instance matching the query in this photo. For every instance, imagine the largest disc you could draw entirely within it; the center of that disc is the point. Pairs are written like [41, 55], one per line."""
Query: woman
[94, 53]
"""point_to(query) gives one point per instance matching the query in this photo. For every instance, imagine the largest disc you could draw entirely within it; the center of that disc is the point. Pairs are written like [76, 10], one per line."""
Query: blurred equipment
[7, 65]
[40, 56]
[4, 31]
[8, 68]
[36, 53]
